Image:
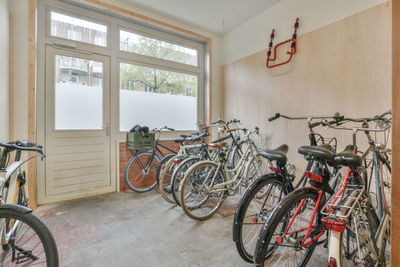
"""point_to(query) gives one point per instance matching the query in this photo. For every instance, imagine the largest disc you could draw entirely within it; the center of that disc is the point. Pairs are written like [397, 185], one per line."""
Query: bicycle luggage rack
[292, 50]
[345, 202]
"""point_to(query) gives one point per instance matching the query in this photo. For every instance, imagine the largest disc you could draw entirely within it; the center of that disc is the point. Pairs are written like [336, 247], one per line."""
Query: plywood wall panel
[345, 67]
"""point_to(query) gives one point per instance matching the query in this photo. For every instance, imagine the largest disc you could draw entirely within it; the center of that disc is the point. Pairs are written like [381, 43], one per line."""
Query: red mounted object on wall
[292, 50]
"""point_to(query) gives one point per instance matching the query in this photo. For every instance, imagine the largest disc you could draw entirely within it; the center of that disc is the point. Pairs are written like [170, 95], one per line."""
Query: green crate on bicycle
[140, 141]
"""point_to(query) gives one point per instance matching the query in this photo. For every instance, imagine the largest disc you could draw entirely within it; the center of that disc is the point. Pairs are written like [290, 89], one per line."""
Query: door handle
[107, 128]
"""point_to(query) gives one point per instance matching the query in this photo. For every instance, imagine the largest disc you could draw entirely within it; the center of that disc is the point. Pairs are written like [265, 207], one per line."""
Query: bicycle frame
[11, 178]
[238, 170]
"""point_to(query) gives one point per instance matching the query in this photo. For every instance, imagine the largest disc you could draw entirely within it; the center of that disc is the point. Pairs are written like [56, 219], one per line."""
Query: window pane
[78, 94]
[157, 98]
[142, 45]
[78, 30]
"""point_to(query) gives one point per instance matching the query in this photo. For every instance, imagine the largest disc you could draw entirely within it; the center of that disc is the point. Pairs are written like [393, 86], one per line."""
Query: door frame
[50, 53]
[114, 22]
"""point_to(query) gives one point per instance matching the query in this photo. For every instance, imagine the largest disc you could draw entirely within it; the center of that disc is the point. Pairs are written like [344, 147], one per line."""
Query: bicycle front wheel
[199, 194]
[258, 201]
[141, 171]
[280, 242]
[26, 240]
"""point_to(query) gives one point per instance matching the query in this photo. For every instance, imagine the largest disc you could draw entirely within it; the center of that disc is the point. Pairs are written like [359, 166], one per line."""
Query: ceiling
[218, 16]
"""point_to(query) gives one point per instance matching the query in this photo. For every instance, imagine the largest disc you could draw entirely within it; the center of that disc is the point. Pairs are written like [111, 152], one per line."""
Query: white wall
[4, 60]
[19, 10]
[253, 36]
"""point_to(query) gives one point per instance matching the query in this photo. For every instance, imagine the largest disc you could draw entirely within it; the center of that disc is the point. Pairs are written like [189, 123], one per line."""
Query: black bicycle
[141, 170]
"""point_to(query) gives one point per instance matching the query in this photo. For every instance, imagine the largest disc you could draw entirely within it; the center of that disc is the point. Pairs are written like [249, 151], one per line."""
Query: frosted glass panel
[78, 29]
[139, 44]
[157, 98]
[78, 94]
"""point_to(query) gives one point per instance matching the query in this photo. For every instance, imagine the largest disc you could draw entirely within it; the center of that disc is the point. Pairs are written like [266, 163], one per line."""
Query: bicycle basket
[140, 141]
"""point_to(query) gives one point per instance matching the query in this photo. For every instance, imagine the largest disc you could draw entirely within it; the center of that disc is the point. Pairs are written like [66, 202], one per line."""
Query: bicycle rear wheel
[26, 240]
[162, 163]
[197, 193]
[178, 175]
[357, 241]
[141, 170]
[165, 183]
[280, 241]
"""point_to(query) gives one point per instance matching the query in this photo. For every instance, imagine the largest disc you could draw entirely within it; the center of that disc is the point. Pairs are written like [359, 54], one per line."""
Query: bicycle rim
[280, 242]
[253, 210]
[141, 171]
[196, 201]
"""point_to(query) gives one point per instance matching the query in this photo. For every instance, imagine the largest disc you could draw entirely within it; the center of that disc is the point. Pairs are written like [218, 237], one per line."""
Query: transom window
[76, 29]
[139, 44]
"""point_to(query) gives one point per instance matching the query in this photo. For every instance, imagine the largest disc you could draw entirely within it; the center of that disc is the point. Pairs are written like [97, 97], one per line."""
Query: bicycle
[207, 183]
[141, 169]
[234, 152]
[168, 183]
[297, 224]
[293, 228]
[16, 218]
[25, 238]
[185, 151]
[357, 234]
[266, 191]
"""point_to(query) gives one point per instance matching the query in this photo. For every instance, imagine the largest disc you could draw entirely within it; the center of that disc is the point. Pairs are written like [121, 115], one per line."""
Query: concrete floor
[130, 229]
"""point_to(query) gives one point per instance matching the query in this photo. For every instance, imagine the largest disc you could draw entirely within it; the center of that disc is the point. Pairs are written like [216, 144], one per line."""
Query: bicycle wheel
[178, 175]
[161, 165]
[356, 242]
[165, 183]
[199, 199]
[256, 167]
[280, 240]
[26, 240]
[140, 171]
[258, 201]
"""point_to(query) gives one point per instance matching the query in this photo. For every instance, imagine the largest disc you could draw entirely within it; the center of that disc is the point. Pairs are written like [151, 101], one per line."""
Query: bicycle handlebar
[198, 138]
[14, 146]
[276, 116]
[337, 118]
[356, 129]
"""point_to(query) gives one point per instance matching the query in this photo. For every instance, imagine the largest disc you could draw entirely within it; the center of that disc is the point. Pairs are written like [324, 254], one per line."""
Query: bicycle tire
[246, 251]
[161, 165]
[18, 213]
[178, 175]
[190, 210]
[150, 173]
[345, 254]
[165, 183]
[281, 214]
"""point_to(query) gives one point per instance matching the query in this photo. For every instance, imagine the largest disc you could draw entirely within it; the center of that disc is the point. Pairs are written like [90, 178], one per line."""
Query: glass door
[77, 124]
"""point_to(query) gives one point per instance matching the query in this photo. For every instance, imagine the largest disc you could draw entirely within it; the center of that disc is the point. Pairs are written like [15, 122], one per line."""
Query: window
[161, 74]
[155, 97]
[78, 94]
[139, 44]
[75, 29]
